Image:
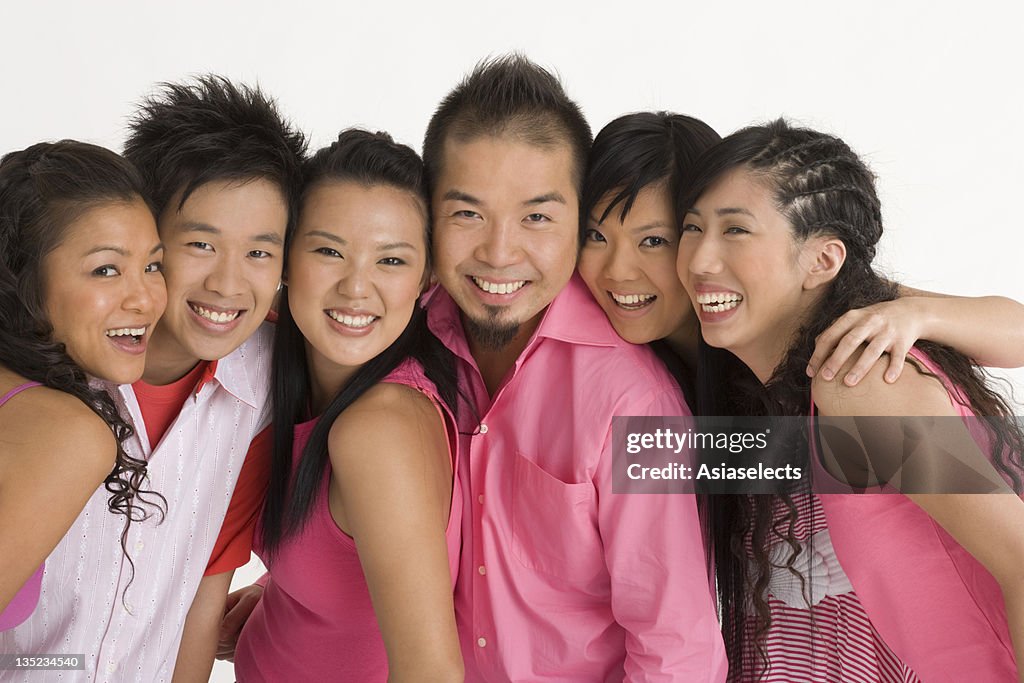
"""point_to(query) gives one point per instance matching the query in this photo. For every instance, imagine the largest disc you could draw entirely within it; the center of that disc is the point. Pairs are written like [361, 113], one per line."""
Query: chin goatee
[491, 334]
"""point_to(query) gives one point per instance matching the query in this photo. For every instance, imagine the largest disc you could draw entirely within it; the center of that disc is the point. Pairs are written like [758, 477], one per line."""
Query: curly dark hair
[43, 190]
[822, 188]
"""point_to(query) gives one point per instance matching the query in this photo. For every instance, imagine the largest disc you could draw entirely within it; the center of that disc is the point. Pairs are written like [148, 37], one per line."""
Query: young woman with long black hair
[360, 532]
[779, 234]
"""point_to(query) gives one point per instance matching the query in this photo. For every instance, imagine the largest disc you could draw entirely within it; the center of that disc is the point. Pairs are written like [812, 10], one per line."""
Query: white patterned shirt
[195, 466]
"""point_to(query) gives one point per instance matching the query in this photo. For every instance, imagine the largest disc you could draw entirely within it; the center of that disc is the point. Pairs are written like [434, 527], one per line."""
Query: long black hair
[369, 159]
[43, 190]
[634, 152]
[822, 188]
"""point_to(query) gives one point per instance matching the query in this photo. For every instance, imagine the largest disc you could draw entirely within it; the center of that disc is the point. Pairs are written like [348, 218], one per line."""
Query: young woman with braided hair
[779, 233]
[80, 292]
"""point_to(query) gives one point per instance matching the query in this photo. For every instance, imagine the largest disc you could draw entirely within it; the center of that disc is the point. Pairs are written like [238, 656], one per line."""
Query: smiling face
[355, 270]
[224, 254]
[103, 291]
[506, 226]
[630, 267]
[751, 282]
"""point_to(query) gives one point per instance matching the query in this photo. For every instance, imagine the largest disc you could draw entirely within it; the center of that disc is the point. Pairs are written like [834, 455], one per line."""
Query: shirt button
[480, 499]
[482, 570]
[139, 545]
[482, 642]
[483, 428]
[112, 667]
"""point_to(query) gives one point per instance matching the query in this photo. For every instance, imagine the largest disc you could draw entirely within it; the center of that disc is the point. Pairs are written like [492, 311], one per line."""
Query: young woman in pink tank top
[80, 291]
[361, 527]
[779, 233]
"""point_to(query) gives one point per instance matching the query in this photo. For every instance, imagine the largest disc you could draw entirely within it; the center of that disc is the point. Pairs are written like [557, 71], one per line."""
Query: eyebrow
[270, 237]
[460, 196]
[656, 225]
[545, 198]
[727, 211]
[339, 240]
[120, 251]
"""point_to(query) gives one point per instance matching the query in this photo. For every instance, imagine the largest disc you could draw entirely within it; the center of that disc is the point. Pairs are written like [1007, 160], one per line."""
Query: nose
[354, 280]
[621, 264]
[226, 278]
[146, 294]
[698, 255]
[499, 246]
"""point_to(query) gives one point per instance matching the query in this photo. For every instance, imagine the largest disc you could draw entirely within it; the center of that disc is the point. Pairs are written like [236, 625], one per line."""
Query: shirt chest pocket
[554, 524]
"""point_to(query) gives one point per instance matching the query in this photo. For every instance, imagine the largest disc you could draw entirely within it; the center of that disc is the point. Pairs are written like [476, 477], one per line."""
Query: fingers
[867, 359]
[237, 609]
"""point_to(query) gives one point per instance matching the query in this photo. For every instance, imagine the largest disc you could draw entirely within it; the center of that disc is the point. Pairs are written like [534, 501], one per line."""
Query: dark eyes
[466, 213]
[204, 246]
[259, 253]
[110, 270]
[334, 253]
[653, 241]
[593, 235]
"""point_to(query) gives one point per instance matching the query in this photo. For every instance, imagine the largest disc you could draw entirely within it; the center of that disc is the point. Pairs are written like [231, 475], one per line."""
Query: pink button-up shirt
[560, 579]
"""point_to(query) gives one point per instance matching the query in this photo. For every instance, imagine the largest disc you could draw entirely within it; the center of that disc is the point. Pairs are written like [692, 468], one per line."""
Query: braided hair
[822, 188]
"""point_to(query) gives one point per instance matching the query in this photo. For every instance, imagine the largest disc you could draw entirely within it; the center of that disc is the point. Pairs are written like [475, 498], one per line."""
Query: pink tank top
[28, 595]
[315, 620]
[935, 606]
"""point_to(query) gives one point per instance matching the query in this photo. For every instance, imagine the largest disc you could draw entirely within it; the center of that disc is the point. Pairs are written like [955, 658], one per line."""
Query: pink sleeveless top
[25, 599]
[315, 620]
[937, 607]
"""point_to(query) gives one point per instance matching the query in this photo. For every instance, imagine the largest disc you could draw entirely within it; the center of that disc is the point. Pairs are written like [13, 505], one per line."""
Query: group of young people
[395, 379]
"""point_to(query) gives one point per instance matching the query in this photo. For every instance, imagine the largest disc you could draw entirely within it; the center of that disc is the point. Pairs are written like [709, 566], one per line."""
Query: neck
[166, 360]
[684, 341]
[326, 379]
[496, 364]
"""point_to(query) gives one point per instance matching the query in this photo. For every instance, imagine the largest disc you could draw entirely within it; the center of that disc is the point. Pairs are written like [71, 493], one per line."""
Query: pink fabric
[936, 606]
[24, 601]
[562, 580]
[315, 621]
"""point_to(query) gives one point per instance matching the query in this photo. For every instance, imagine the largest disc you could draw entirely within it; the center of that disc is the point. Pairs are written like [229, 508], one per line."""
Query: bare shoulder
[915, 393]
[55, 429]
[392, 417]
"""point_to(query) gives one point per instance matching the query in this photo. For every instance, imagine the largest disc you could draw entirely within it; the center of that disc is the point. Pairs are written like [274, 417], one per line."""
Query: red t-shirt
[159, 406]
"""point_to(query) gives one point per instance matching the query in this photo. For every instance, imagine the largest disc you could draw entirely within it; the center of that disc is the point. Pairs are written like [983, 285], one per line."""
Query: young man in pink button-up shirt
[561, 580]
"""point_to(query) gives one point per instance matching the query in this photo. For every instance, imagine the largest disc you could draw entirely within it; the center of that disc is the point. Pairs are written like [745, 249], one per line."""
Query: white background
[928, 92]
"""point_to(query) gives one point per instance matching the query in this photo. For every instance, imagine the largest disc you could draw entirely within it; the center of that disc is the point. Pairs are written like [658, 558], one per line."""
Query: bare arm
[988, 329]
[46, 477]
[199, 640]
[391, 489]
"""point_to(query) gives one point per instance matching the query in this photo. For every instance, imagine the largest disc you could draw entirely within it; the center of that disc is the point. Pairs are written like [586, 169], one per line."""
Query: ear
[825, 257]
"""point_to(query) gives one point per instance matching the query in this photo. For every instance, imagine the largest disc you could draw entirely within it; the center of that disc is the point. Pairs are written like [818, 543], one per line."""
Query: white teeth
[352, 320]
[215, 316]
[126, 332]
[719, 298]
[716, 302]
[632, 299]
[498, 288]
